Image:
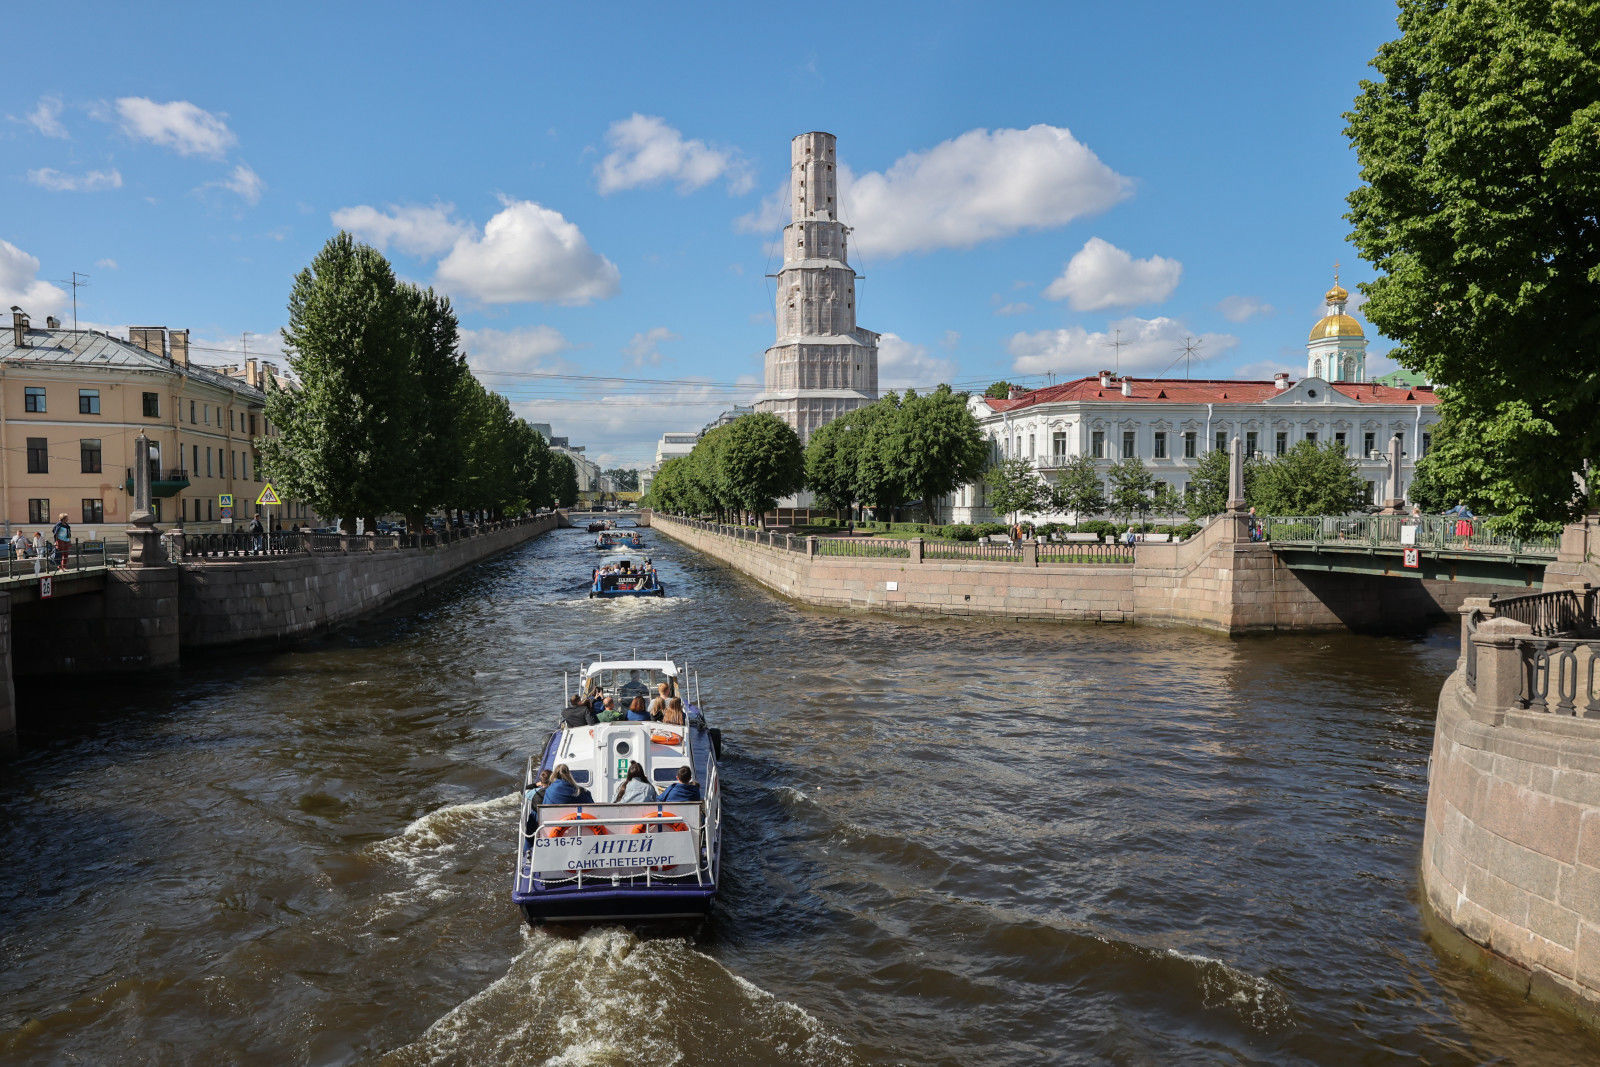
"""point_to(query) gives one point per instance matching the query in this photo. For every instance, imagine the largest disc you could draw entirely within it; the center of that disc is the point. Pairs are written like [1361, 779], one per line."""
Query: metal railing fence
[1438, 532]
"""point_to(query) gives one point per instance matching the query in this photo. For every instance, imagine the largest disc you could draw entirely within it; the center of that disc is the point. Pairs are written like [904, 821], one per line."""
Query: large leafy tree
[761, 461]
[999, 390]
[1309, 479]
[1133, 488]
[1209, 487]
[936, 444]
[435, 367]
[1013, 487]
[344, 442]
[830, 461]
[564, 479]
[1480, 157]
[880, 479]
[1078, 489]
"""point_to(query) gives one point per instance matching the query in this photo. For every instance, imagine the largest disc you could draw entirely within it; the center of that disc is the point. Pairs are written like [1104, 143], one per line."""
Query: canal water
[948, 842]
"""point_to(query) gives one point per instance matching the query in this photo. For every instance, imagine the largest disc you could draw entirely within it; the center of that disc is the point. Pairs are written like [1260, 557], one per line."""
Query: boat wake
[611, 997]
[429, 850]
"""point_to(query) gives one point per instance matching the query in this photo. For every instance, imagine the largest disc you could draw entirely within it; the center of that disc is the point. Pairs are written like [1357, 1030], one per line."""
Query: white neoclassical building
[1171, 423]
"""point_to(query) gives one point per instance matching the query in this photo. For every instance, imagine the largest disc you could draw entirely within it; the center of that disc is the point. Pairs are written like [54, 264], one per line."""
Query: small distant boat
[607, 540]
[597, 861]
[624, 579]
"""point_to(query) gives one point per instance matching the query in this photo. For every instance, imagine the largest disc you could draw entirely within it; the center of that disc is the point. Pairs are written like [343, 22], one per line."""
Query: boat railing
[713, 806]
[604, 816]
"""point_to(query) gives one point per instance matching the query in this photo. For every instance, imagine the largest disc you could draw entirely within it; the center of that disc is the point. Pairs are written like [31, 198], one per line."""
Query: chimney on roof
[52, 322]
[153, 339]
[268, 375]
[180, 347]
[1280, 381]
[250, 373]
[1014, 391]
[19, 326]
[1127, 387]
[1105, 379]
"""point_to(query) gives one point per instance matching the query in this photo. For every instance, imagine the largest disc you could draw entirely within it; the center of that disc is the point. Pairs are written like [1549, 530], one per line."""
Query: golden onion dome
[1336, 295]
[1336, 326]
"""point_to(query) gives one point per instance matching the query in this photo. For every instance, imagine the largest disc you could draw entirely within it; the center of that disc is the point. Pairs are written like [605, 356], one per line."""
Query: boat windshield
[625, 683]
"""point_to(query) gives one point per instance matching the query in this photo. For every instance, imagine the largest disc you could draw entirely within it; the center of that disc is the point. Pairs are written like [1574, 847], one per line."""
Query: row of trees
[885, 455]
[388, 418]
[1308, 479]
[747, 465]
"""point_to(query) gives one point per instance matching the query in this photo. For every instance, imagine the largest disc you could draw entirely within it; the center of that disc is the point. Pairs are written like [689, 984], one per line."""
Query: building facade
[588, 470]
[822, 364]
[1170, 424]
[73, 401]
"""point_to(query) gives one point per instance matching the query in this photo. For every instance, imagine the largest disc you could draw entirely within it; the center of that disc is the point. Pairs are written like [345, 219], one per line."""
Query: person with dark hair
[636, 788]
[564, 789]
[684, 788]
[636, 710]
[578, 713]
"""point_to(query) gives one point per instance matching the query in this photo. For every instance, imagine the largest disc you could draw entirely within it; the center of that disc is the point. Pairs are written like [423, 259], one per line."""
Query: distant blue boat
[611, 539]
[624, 579]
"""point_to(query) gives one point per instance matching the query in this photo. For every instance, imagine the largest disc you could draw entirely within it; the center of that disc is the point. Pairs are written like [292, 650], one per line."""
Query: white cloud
[60, 182]
[178, 125]
[243, 181]
[1151, 347]
[46, 117]
[106, 264]
[631, 422]
[645, 348]
[20, 284]
[950, 340]
[977, 187]
[416, 229]
[1020, 307]
[1263, 370]
[902, 363]
[528, 252]
[527, 349]
[1103, 276]
[1243, 308]
[646, 151]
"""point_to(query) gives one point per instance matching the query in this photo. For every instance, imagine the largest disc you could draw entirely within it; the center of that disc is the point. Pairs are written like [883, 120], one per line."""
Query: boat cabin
[626, 679]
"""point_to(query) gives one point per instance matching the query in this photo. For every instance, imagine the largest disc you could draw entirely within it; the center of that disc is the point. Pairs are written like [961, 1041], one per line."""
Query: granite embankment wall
[1217, 580]
[230, 602]
[1511, 844]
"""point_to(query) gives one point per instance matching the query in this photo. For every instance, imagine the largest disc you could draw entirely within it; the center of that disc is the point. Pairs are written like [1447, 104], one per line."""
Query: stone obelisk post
[144, 540]
[1395, 502]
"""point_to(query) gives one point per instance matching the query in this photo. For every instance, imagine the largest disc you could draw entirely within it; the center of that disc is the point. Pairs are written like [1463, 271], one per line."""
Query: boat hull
[602, 905]
[612, 594]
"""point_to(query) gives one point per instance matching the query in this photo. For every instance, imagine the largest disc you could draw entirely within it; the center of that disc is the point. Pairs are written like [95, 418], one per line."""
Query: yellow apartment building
[72, 402]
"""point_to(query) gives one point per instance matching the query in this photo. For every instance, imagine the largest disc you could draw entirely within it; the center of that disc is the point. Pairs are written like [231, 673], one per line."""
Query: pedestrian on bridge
[19, 545]
[256, 531]
[63, 537]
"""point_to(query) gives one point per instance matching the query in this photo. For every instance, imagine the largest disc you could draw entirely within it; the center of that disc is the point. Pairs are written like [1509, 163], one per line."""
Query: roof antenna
[75, 283]
[1116, 346]
[1191, 345]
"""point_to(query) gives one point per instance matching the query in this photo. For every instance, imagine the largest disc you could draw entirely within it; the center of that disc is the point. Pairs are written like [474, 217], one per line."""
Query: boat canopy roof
[664, 666]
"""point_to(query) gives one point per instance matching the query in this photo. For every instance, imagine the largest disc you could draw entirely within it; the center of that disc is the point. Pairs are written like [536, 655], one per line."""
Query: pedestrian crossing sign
[224, 500]
[268, 495]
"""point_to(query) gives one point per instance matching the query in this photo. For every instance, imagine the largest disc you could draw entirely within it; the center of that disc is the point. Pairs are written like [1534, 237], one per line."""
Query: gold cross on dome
[1336, 272]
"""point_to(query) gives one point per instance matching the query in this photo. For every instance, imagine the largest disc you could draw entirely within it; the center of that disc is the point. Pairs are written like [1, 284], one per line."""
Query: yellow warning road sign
[268, 495]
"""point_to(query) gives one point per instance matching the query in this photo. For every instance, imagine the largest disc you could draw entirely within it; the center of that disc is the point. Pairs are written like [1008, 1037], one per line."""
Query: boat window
[581, 777]
[665, 774]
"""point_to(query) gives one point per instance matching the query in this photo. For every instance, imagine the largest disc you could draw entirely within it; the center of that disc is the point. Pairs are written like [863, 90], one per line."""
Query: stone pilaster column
[811, 545]
[1499, 668]
[915, 544]
[1030, 553]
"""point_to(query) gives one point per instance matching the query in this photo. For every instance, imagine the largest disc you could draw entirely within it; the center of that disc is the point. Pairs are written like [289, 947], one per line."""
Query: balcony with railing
[163, 483]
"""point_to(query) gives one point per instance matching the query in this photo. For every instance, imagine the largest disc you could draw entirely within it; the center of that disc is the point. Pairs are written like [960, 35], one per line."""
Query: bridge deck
[1436, 548]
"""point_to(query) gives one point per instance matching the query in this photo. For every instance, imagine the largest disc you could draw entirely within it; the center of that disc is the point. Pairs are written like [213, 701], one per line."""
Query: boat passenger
[684, 788]
[578, 713]
[658, 707]
[534, 795]
[636, 788]
[634, 686]
[563, 789]
[673, 714]
[664, 690]
[636, 712]
[611, 713]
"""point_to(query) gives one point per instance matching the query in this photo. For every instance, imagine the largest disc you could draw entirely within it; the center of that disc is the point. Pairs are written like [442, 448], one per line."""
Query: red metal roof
[1213, 391]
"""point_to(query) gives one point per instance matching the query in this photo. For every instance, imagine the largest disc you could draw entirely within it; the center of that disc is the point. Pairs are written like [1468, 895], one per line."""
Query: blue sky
[597, 186]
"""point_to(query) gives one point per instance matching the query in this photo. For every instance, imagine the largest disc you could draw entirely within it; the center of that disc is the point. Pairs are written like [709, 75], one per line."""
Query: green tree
[761, 462]
[341, 448]
[1078, 489]
[1309, 479]
[435, 366]
[1133, 488]
[565, 479]
[1480, 158]
[1209, 486]
[880, 478]
[830, 460]
[936, 444]
[999, 390]
[625, 479]
[1165, 500]
[1013, 487]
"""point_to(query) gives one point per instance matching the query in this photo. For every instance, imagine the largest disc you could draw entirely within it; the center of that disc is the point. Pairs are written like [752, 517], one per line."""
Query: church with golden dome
[1336, 351]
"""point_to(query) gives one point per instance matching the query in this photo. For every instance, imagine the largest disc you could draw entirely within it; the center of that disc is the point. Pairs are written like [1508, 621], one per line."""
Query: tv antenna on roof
[76, 275]
[1115, 344]
[1190, 346]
